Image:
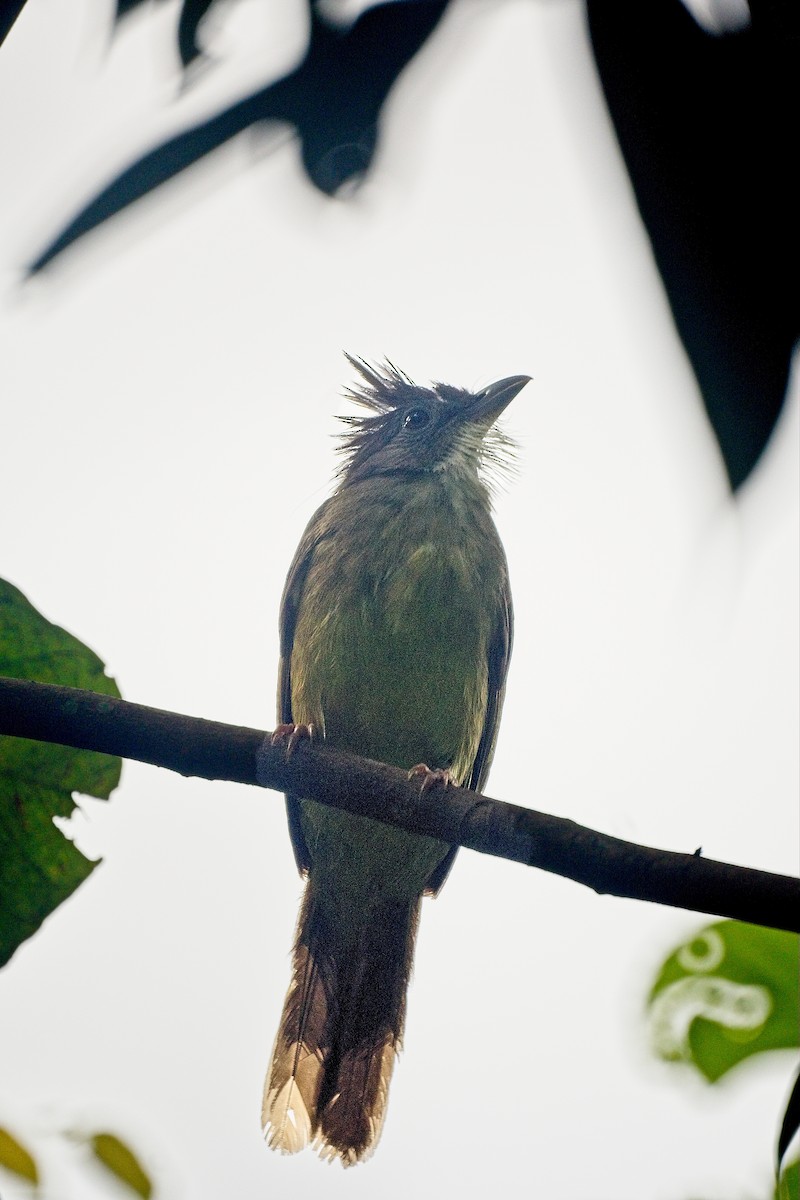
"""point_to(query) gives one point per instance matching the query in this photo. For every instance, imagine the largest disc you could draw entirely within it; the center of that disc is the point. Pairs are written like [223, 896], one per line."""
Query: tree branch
[212, 750]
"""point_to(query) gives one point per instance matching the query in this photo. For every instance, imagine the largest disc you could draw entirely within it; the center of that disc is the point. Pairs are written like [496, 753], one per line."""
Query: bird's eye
[416, 418]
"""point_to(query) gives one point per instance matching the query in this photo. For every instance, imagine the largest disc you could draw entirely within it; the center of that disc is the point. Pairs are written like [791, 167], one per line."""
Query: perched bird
[395, 629]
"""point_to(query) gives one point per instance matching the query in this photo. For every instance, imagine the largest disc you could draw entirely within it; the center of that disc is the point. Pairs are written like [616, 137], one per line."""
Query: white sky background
[167, 406]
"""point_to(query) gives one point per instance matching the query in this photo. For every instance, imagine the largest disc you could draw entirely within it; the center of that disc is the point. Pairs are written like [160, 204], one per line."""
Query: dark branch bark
[212, 750]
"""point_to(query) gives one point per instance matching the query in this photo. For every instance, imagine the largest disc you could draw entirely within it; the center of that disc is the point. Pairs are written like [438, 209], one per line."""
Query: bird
[395, 636]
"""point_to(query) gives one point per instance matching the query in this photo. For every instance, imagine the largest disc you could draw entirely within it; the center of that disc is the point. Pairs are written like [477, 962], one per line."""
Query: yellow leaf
[16, 1158]
[122, 1162]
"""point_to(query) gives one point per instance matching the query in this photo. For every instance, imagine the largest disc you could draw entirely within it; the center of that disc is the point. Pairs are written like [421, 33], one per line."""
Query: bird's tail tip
[286, 1123]
[328, 1081]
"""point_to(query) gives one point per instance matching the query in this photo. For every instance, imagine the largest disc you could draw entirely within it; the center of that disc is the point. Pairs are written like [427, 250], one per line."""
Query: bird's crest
[382, 389]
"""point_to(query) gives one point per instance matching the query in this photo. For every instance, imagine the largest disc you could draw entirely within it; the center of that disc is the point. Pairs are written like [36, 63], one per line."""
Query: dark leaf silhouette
[192, 13]
[791, 1122]
[707, 126]
[126, 6]
[9, 11]
[332, 100]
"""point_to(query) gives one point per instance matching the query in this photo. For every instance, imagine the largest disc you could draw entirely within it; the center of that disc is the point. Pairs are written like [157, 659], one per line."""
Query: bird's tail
[341, 1027]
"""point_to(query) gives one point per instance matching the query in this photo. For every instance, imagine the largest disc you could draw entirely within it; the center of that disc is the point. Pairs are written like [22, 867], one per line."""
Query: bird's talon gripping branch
[430, 777]
[290, 734]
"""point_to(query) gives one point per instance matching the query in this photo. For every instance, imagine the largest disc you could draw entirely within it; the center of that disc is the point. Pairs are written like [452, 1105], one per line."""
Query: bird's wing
[316, 530]
[497, 664]
[499, 655]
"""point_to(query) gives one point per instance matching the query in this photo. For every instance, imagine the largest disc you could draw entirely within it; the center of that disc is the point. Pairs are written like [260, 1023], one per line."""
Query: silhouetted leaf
[707, 126]
[332, 100]
[118, 1158]
[192, 13]
[126, 6]
[729, 993]
[39, 866]
[791, 1122]
[9, 11]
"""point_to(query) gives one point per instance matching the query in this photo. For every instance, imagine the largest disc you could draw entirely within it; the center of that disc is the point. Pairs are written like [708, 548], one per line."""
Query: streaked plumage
[395, 637]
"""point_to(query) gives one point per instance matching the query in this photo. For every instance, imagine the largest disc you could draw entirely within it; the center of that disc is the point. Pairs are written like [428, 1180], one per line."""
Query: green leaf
[122, 1162]
[14, 1157]
[728, 993]
[788, 1186]
[39, 866]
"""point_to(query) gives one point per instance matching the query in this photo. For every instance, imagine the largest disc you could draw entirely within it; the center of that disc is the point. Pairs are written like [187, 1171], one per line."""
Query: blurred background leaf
[788, 1186]
[790, 1124]
[16, 1159]
[729, 993]
[39, 866]
[705, 123]
[191, 14]
[118, 1158]
[332, 101]
[9, 11]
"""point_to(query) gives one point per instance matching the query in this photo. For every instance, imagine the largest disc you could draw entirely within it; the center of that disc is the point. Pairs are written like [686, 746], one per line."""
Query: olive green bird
[396, 628]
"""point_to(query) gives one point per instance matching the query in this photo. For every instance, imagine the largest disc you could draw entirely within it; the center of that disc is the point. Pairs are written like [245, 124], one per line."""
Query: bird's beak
[493, 400]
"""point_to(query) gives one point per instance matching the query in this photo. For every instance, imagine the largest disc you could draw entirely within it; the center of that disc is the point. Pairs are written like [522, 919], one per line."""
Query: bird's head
[412, 430]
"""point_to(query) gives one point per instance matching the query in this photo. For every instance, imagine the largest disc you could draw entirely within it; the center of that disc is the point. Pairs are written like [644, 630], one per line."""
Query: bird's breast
[390, 659]
[391, 642]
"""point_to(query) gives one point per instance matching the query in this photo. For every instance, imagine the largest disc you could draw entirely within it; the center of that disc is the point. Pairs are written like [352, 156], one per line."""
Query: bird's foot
[431, 777]
[290, 734]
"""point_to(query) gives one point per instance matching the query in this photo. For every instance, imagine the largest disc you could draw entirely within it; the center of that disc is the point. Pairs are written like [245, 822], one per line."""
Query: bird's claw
[290, 734]
[431, 777]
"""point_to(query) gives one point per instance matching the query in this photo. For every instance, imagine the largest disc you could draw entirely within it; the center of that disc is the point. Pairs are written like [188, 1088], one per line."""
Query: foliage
[106, 1148]
[788, 1186]
[39, 866]
[332, 101]
[728, 993]
[708, 160]
[15, 1158]
[119, 1159]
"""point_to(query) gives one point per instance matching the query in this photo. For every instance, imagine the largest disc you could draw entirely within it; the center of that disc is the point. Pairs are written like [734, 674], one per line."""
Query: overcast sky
[168, 402]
